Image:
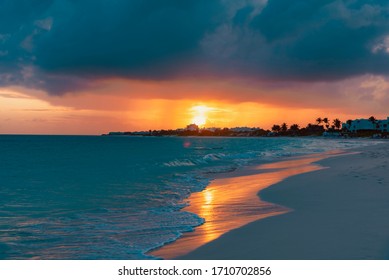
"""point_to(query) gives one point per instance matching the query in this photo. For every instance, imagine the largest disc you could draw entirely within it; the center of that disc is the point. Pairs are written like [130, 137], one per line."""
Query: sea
[118, 197]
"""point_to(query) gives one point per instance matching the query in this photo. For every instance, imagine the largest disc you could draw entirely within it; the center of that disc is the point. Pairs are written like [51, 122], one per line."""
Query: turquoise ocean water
[92, 197]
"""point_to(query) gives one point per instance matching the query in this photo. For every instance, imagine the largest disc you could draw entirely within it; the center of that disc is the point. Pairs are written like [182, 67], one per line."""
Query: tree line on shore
[321, 125]
[317, 129]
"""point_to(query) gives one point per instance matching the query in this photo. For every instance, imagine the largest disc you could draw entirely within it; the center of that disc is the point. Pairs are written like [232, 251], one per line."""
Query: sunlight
[199, 113]
[208, 196]
[199, 120]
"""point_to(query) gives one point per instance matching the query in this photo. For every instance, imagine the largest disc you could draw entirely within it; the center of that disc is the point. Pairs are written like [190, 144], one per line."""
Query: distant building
[242, 129]
[192, 127]
[141, 133]
[366, 125]
[384, 125]
[210, 129]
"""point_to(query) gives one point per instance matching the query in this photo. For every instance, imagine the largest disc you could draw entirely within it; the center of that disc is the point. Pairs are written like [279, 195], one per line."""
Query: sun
[199, 120]
[199, 113]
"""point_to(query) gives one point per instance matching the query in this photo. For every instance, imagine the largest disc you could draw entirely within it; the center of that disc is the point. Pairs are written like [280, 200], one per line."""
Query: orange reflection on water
[230, 203]
[208, 197]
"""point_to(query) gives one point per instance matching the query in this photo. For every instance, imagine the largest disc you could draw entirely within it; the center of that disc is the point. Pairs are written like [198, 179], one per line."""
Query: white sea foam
[176, 163]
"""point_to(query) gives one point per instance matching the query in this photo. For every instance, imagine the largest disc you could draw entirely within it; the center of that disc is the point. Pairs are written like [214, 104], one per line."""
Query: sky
[93, 66]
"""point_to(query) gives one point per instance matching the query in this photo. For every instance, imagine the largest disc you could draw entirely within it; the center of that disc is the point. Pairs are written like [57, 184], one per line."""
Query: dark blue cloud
[15, 14]
[125, 37]
[100, 38]
[63, 45]
[322, 39]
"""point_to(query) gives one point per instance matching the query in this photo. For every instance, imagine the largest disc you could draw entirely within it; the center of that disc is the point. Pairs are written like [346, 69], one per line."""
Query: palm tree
[319, 121]
[276, 128]
[337, 123]
[327, 122]
[294, 127]
[284, 127]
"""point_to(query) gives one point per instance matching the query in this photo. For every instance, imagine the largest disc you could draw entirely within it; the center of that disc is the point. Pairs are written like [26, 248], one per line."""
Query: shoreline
[231, 201]
[339, 212]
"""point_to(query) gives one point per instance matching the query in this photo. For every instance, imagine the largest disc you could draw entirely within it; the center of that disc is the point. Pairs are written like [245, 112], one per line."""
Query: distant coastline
[370, 127]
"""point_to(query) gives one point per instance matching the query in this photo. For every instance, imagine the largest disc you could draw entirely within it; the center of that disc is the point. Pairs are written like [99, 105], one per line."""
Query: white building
[366, 124]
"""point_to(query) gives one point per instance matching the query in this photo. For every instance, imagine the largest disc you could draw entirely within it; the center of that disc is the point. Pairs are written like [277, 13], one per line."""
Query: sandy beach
[339, 211]
[231, 201]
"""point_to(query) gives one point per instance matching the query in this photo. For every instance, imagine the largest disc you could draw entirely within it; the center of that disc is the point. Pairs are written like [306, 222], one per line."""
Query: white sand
[231, 201]
[341, 212]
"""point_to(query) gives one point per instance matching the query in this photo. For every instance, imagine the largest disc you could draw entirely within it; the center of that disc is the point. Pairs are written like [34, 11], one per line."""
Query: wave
[177, 162]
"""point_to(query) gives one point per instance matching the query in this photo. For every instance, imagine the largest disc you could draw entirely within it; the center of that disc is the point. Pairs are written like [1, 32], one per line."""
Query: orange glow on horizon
[200, 114]
[24, 110]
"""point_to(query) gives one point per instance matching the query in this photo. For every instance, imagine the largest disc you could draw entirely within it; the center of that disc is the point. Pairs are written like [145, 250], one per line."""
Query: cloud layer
[64, 46]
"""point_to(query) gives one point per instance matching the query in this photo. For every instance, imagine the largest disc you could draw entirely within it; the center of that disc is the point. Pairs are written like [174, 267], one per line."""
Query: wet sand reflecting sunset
[231, 202]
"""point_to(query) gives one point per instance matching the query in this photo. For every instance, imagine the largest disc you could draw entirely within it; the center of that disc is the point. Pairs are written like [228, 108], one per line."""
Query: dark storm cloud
[63, 45]
[124, 37]
[325, 39]
[89, 39]
[305, 40]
